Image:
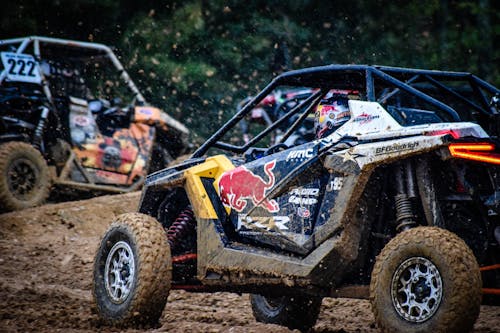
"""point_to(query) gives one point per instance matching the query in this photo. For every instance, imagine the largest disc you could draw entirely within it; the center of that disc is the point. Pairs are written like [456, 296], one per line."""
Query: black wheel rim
[22, 177]
[274, 304]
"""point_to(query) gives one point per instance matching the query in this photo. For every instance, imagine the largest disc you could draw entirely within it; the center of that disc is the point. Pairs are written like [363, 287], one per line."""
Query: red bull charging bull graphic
[238, 186]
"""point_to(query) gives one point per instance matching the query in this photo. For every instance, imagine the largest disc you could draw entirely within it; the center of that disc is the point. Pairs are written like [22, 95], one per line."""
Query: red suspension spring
[182, 226]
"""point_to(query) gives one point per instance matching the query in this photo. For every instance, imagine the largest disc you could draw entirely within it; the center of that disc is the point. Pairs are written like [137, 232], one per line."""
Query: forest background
[196, 59]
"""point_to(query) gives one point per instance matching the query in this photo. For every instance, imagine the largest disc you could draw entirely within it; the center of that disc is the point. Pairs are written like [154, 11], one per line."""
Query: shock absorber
[405, 218]
[183, 225]
[404, 213]
[37, 137]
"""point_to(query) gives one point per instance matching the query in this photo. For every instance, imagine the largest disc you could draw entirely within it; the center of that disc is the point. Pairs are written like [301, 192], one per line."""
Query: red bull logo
[238, 186]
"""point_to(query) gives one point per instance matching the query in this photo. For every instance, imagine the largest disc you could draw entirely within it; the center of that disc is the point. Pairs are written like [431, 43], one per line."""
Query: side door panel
[275, 200]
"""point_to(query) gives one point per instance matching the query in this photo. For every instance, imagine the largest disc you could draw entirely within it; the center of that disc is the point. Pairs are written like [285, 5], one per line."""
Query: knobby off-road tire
[426, 280]
[132, 272]
[295, 312]
[24, 176]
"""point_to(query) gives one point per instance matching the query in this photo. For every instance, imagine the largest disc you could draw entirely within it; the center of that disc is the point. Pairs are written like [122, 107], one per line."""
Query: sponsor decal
[365, 118]
[147, 112]
[394, 148]
[302, 201]
[305, 191]
[304, 196]
[111, 157]
[269, 223]
[81, 121]
[238, 186]
[300, 154]
[335, 184]
[303, 212]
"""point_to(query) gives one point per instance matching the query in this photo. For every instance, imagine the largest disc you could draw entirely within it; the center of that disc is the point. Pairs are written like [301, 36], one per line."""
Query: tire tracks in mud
[46, 256]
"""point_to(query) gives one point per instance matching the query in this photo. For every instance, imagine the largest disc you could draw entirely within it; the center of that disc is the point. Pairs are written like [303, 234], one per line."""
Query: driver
[331, 113]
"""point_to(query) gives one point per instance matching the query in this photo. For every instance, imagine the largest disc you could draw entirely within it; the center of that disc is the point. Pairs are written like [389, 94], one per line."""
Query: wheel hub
[125, 272]
[22, 177]
[119, 272]
[416, 289]
[422, 290]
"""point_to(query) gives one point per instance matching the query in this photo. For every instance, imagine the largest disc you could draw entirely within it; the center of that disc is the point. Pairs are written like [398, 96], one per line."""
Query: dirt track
[46, 256]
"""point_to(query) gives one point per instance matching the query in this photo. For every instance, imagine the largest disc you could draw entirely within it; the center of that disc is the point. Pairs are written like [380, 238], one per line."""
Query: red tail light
[481, 152]
[453, 133]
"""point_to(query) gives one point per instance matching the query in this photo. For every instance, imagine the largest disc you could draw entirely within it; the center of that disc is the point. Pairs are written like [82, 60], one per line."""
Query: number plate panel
[20, 67]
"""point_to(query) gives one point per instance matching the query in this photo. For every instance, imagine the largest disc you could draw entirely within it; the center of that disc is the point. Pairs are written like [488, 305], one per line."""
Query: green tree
[197, 58]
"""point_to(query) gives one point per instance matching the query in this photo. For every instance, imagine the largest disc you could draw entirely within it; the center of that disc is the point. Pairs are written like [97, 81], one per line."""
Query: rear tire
[132, 272]
[295, 312]
[24, 176]
[426, 280]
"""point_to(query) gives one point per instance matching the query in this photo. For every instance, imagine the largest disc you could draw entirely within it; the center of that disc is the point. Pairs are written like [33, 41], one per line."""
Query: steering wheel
[276, 148]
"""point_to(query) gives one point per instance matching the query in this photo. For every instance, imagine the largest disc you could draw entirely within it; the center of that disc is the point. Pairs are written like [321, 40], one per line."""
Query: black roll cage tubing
[323, 77]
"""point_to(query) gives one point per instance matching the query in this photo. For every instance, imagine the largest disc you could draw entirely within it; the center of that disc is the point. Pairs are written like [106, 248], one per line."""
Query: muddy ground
[46, 256]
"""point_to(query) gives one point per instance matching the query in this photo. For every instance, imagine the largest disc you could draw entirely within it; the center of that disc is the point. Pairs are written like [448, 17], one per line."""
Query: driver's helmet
[331, 113]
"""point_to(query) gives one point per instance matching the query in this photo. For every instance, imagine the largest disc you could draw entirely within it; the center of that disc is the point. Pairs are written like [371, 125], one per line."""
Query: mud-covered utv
[399, 205]
[70, 116]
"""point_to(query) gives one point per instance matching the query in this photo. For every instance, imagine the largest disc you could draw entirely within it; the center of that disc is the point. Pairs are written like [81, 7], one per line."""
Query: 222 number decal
[24, 68]
[20, 67]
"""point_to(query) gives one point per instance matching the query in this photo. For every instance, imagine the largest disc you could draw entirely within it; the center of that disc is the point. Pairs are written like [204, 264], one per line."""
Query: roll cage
[41, 47]
[451, 96]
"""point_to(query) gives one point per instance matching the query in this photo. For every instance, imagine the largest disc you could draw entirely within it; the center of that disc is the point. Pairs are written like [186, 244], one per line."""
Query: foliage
[197, 58]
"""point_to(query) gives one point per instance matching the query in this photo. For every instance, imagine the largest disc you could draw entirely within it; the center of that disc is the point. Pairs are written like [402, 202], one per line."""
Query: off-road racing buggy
[63, 122]
[399, 205]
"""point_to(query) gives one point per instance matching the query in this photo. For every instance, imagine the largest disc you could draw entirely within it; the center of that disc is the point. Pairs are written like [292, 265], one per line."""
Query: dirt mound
[46, 256]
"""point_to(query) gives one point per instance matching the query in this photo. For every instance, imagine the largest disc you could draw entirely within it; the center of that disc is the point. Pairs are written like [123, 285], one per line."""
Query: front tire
[295, 312]
[24, 176]
[426, 280]
[132, 272]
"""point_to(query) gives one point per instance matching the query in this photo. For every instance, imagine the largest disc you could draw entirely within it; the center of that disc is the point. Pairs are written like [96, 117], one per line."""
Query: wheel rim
[119, 272]
[416, 289]
[22, 177]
